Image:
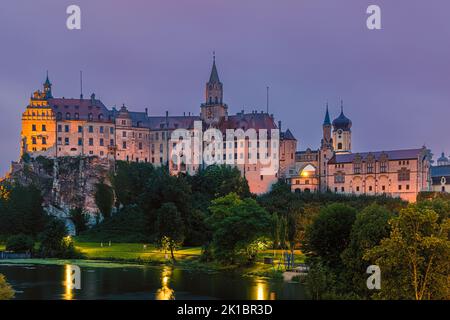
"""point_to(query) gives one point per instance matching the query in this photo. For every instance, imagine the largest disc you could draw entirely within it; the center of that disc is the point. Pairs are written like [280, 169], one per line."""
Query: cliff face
[66, 183]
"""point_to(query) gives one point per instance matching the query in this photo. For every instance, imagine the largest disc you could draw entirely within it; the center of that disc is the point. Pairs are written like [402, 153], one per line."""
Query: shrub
[6, 292]
[20, 243]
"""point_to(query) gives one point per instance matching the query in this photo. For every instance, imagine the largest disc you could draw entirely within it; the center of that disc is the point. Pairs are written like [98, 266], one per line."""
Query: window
[100, 117]
[91, 129]
[357, 188]
[33, 127]
[101, 129]
[111, 130]
[124, 145]
[399, 187]
[91, 141]
[44, 140]
[66, 141]
[90, 117]
[261, 177]
[407, 187]
[59, 128]
[80, 141]
[342, 189]
[66, 128]
[124, 122]
[357, 168]
[80, 129]
[76, 116]
[383, 188]
[59, 116]
[111, 142]
[403, 174]
[102, 142]
[33, 140]
[339, 146]
[67, 116]
[383, 167]
[124, 134]
[370, 188]
[44, 127]
[140, 145]
[370, 167]
[339, 177]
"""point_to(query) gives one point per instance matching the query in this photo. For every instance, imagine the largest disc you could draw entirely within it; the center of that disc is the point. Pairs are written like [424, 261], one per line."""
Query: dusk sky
[395, 82]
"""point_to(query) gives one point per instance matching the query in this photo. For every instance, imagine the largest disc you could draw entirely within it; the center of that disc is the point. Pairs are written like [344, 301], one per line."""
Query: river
[50, 282]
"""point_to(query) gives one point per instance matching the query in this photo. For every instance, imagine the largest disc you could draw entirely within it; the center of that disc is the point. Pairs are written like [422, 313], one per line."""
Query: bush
[20, 243]
[56, 244]
[6, 292]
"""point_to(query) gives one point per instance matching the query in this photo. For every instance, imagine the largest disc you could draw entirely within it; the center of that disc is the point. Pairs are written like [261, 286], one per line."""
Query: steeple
[326, 121]
[214, 88]
[214, 77]
[48, 88]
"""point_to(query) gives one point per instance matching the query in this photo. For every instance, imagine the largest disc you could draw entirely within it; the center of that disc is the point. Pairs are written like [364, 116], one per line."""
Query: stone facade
[333, 167]
[60, 127]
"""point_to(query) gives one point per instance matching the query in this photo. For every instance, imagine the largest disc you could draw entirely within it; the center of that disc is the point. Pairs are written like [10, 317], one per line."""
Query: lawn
[133, 252]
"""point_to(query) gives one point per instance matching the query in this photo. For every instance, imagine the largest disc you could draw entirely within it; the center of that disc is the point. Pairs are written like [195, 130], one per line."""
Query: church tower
[342, 133]
[213, 110]
[48, 88]
[325, 152]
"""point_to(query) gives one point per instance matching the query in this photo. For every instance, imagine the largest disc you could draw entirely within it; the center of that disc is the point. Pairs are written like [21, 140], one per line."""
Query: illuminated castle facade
[59, 127]
[335, 168]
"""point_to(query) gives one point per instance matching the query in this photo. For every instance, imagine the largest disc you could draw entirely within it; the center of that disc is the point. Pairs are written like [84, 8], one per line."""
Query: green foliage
[240, 229]
[104, 199]
[128, 225]
[130, 180]
[79, 219]
[370, 227]
[55, 243]
[6, 291]
[21, 211]
[329, 234]
[20, 243]
[169, 228]
[47, 164]
[415, 258]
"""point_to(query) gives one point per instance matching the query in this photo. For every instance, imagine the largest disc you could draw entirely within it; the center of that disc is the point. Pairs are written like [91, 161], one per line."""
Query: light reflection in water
[165, 292]
[68, 294]
[262, 291]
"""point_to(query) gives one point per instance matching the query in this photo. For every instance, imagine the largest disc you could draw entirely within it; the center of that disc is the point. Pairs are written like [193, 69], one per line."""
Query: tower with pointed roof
[213, 109]
[48, 88]
[342, 133]
[326, 151]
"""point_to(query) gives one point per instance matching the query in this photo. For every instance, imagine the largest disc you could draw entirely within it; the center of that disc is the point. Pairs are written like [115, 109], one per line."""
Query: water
[141, 283]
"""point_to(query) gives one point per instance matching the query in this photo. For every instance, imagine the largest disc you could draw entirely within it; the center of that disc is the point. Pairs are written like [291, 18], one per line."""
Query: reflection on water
[141, 283]
[68, 295]
[165, 293]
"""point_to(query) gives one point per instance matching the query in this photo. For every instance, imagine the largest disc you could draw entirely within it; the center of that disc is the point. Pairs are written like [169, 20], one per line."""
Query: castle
[59, 127]
[333, 167]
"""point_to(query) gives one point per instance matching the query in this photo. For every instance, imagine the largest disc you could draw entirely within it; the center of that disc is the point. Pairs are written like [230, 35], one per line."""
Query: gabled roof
[287, 135]
[406, 154]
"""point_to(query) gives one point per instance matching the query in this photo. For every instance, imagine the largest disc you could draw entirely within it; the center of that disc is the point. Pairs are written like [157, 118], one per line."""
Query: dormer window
[68, 116]
[100, 117]
[90, 117]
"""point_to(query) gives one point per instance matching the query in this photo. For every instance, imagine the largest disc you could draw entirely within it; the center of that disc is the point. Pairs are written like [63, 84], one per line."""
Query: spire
[342, 106]
[214, 77]
[326, 121]
[48, 87]
[47, 81]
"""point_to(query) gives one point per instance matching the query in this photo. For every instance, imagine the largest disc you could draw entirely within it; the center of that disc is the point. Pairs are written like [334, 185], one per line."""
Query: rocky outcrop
[66, 182]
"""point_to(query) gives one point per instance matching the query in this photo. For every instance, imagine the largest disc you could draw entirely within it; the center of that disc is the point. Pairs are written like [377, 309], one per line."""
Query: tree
[55, 243]
[329, 234]
[79, 219]
[104, 199]
[370, 227]
[415, 258]
[169, 228]
[6, 292]
[240, 228]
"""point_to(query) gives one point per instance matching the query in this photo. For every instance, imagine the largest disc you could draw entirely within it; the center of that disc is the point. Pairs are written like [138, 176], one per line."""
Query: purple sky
[157, 54]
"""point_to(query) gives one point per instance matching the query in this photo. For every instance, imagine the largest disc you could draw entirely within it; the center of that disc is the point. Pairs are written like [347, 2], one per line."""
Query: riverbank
[138, 254]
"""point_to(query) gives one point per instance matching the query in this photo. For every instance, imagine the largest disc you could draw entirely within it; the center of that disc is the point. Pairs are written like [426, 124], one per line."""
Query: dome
[443, 159]
[342, 122]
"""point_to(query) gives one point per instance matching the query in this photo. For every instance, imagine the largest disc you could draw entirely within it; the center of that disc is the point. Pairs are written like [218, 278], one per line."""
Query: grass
[133, 252]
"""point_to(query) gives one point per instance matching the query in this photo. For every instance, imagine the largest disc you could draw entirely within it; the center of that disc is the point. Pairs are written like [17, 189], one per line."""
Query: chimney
[279, 125]
[146, 111]
[184, 114]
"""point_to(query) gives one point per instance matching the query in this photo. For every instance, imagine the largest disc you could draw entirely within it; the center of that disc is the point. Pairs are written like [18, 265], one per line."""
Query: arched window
[339, 145]
[90, 117]
[68, 116]
[76, 116]
[100, 117]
